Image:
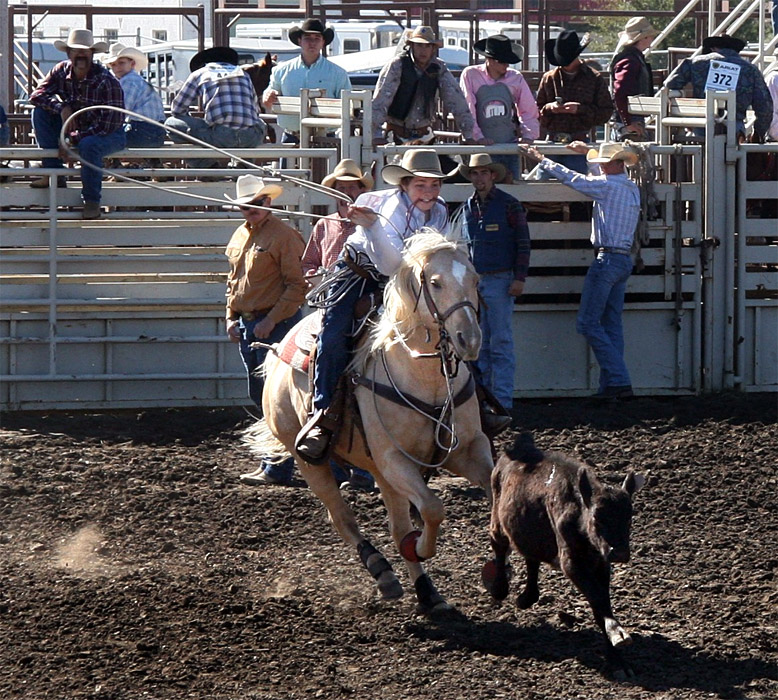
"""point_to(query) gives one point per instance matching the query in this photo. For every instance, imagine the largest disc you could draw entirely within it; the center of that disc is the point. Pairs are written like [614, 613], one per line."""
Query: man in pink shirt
[502, 103]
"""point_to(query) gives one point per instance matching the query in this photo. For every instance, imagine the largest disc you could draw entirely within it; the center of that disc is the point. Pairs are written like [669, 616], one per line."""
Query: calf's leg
[531, 593]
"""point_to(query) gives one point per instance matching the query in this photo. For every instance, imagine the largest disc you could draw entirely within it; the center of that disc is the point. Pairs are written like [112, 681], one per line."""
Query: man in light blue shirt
[309, 70]
[615, 218]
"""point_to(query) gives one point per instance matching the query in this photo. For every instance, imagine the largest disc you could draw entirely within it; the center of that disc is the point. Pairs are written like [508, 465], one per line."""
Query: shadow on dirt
[660, 664]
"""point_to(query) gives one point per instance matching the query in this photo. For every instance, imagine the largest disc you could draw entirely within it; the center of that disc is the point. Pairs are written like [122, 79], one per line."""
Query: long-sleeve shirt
[326, 242]
[289, 77]
[421, 114]
[60, 88]
[751, 90]
[585, 86]
[140, 97]
[630, 75]
[616, 204]
[473, 77]
[383, 242]
[228, 96]
[265, 272]
[772, 87]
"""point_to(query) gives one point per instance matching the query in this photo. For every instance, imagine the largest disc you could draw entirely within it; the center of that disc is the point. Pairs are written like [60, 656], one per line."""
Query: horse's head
[437, 287]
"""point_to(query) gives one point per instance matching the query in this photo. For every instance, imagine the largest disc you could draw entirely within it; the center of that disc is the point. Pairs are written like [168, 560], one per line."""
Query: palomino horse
[416, 403]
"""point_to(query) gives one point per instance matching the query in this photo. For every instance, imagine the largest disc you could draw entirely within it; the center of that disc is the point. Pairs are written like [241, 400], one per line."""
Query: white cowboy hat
[609, 151]
[81, 39]
[483, 160]
[118, 51]
[347, 169]
[635, 29]
[250, 187]
[417, 162]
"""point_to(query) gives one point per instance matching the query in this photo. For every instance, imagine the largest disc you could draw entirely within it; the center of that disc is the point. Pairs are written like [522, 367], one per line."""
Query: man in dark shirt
[496, 225]
[72, 85]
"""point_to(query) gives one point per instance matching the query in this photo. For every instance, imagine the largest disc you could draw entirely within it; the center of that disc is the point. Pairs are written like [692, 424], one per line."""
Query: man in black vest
[407, 89]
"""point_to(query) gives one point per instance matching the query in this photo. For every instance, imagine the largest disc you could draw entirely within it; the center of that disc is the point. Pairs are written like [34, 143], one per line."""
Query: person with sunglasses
[500, 99]
[265, 290]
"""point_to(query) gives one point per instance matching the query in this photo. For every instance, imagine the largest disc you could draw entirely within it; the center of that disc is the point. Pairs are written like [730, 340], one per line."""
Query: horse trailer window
[351, 46]
[463, 43]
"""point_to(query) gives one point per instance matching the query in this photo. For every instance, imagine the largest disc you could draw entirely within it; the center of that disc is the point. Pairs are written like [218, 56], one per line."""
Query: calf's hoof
[527, 599]
[495, 579]
[617, 635]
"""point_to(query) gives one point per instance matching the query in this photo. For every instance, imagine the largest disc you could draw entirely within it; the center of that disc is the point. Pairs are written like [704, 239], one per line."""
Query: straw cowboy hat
[423, 35]
[483, 160]
[500, 48]
[723, 41]
[216, 54]
[347, 169]
[610, 151]
[121, 51]
[565, 48]
[635, 29]
[81, 39]
[250, 187]
[417, 162]
[312, 26]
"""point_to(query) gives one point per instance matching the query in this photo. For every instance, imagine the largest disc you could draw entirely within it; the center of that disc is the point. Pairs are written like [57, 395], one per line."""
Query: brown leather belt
[253, 315]
[606, 249]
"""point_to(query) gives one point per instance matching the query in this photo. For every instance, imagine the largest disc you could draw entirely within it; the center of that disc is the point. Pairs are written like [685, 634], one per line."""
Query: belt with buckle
[607, 249]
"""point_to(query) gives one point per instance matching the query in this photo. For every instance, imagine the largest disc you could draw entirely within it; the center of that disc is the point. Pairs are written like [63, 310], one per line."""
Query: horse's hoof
[391, 589]
[408, 546]
[495, 580]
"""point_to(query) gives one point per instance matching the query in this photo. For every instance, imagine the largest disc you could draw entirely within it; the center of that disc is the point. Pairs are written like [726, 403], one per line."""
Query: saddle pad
[295, 348]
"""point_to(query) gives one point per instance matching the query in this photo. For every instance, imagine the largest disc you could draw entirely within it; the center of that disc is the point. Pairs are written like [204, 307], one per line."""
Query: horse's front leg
[410, 542]
[473, 461]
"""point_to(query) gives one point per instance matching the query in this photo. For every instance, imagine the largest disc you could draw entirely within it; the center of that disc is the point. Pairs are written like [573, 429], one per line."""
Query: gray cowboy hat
[483, 160]
[81, 39]
[416, 162]
[311, 26]
[500, 48]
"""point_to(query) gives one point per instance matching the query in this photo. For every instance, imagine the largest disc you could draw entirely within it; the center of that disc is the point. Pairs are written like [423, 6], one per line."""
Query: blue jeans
[496, 362]
[510, 161]
[91, 149]
[144, 135]
[253, 358]
[599, 316]
[290, 138]
[334, 343]
[216, 135]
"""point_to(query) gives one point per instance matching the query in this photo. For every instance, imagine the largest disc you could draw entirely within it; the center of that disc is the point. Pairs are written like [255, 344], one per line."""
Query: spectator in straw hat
[311, 69]
[405, 97]
[616, 212]
[265, 290]
[70, 86]
[231, 110]
[631, 75]
[496, 225]
[140, 97]
[747, 83]
[572, 98]
[374, 251]
[499, 97]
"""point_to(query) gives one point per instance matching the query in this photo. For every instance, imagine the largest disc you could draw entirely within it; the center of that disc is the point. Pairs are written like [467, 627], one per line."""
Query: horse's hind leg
[323, 485]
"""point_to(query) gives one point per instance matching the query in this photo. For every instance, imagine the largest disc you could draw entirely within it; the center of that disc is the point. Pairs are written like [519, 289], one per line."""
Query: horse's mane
[399, 318]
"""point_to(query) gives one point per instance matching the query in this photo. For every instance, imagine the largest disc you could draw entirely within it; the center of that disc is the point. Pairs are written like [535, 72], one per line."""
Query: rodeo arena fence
[127, 311]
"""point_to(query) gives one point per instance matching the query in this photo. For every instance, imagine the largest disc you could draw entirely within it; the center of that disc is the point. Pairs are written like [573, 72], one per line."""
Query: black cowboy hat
[500, 48]
[216, 54]
[723, 41]
[311, 26]
[565, 48]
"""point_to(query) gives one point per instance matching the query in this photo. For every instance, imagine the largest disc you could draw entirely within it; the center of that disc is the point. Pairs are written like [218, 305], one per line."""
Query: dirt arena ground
[133, 564]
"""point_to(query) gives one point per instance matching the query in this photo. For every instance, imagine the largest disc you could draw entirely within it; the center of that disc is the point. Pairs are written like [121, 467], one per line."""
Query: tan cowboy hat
[483, 160]
[347, 169]
[423, 35]
[417, 162]
[118, 51]
[636, 29]
[81, 39]
[609, 151]
[250, 187]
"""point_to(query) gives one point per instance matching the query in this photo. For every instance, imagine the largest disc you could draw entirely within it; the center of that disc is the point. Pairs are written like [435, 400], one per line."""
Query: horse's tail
[263, 443]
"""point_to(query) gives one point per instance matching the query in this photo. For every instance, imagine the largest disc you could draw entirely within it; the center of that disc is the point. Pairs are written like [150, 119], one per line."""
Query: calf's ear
[633, 482]
[585, 487]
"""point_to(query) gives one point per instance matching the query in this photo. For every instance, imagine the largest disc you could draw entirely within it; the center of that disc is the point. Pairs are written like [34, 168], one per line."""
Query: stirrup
[318, 453]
